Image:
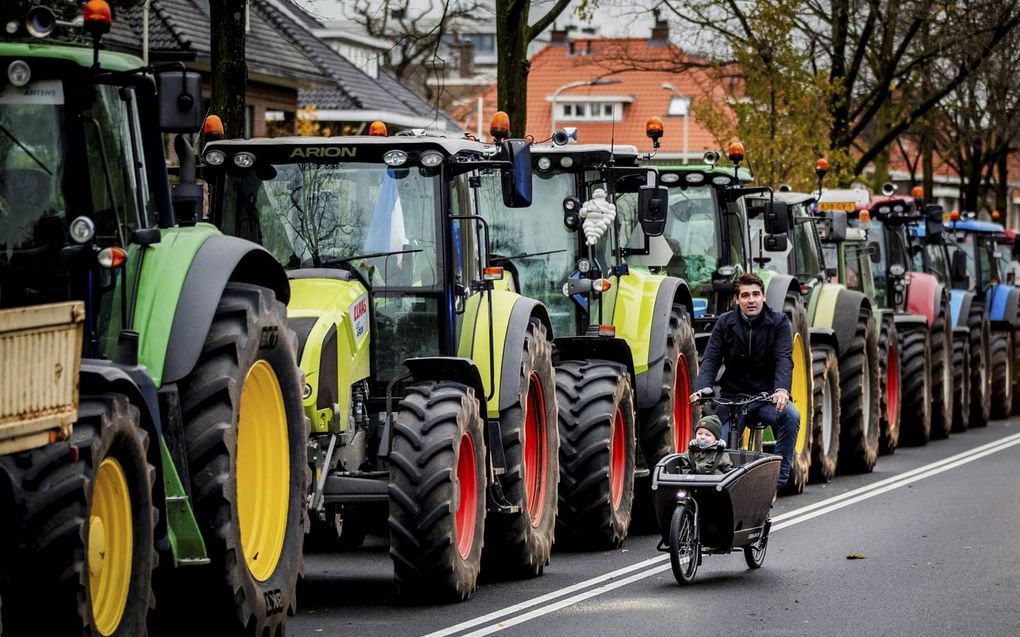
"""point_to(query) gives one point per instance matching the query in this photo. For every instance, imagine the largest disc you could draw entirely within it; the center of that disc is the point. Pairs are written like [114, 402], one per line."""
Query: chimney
[466, 58]
[558, 36]
[660, 32]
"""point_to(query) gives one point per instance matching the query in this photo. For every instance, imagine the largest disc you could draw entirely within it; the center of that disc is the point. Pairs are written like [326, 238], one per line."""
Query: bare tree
[416, 30]
[872, 52]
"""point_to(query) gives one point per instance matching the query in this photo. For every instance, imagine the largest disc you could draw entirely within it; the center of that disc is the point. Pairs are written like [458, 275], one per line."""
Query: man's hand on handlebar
[701, 394]
[780, 399]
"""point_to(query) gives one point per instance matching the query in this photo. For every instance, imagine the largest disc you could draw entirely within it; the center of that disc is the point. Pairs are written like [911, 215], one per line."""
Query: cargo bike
[701, 514]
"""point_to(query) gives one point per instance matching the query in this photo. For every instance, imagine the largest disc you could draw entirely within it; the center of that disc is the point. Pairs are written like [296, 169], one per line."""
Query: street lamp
[599, 81]
[683, 107]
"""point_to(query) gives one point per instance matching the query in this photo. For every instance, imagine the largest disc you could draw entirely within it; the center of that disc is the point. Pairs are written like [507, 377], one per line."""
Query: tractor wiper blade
[25, 148]
[525, 255]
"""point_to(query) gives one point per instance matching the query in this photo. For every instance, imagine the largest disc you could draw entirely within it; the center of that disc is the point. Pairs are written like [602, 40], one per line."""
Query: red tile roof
[640, 65]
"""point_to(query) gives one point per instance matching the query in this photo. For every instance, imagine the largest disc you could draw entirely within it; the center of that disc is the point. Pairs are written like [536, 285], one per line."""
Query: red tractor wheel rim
[682, 424]
[617, 459]
[892, 385]
[467, 504]
[536, 453]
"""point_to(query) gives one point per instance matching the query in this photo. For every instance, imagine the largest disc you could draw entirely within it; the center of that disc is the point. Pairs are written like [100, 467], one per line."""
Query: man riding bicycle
[754, 346]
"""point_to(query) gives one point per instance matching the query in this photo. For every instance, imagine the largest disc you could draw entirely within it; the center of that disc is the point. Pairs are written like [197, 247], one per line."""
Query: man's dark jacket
[757, 353]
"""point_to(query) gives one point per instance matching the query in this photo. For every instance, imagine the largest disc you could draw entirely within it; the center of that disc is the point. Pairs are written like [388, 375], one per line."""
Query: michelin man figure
[598, 215]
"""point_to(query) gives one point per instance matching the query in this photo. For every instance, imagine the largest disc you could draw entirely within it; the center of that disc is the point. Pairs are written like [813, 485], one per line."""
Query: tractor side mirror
[517, 178]
[933, 228]
[959, 267]
[777, 218]
[875, 252]
[653, 205]
[180, 101]
[776, 243]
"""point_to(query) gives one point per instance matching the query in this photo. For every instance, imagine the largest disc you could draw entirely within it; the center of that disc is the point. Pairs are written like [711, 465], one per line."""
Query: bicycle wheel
[754, 554]
[684, 551]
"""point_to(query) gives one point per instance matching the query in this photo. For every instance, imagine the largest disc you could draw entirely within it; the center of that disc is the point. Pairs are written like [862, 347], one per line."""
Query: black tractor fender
[587, 348]
[778, 286]
[452, 368]
[220, 260]
[850, 305]
[824, 336]
[101, 377]
[907, 321]
[648, 386]
[523, 311]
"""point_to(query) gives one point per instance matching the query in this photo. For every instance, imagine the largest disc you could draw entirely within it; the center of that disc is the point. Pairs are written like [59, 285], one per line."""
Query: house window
[590, 111]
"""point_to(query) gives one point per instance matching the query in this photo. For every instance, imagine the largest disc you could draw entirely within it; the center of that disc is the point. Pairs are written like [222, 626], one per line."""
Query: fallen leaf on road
[856, 556]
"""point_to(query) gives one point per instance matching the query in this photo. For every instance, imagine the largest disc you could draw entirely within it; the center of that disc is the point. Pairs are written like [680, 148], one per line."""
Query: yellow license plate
[830, 206]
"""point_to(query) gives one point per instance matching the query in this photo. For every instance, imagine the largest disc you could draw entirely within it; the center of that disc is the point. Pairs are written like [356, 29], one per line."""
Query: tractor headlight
[215, 158]
[431, 158]
[82, 230]
[244, 160]
[19, 73]
[395, 158]
[566, 162]
[544, 163]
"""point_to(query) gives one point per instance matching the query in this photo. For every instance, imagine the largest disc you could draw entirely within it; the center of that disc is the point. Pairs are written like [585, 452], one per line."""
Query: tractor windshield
[692, 234]
[377, 220]
[806, 257]
[66, 150]
[891, 251]
[534, 243]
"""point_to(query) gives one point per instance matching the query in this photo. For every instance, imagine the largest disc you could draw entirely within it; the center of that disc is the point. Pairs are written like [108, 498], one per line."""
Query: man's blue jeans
[784, 425]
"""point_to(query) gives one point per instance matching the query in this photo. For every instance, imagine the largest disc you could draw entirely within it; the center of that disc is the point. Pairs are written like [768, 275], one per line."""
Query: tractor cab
[83, 180]
[985, 252]
[706, 231]
[567, 250]
[399, 215]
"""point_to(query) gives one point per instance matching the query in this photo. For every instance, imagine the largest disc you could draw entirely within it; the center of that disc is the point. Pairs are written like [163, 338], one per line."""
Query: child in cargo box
[707, 453]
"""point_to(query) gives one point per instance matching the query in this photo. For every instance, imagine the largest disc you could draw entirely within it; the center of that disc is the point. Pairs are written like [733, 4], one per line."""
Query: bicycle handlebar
[733, 402]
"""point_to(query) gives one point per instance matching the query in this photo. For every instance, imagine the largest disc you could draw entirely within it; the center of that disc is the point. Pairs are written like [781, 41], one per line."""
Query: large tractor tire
[890, 382]
[826, 415]
[860, 404]
[1016, 367]
[980, 366]
[961, 381]
[437, 493]
[801, 393]
[597, 449]
[941, 374]
[246, 437]
[668, 426]
[915, 416]
[1002, 372]
[86, 555]
[519, 544]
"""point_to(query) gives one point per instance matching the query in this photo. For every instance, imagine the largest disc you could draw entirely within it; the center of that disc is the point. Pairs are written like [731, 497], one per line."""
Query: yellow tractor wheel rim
[263, 470]
[802, 377]
[110, 547]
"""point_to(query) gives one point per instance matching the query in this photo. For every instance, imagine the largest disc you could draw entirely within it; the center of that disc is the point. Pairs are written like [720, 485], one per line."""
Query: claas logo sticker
[359, 318]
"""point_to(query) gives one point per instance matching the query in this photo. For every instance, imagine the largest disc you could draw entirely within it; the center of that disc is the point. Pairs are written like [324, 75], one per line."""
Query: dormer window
[592, 108]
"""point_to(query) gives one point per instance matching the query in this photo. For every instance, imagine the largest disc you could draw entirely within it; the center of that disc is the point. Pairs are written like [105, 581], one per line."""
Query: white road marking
[605, 583]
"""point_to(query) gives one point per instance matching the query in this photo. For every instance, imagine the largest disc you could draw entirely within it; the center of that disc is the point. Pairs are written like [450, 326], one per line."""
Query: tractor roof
[707, 169]
[350, 148]
[80, 55]
[794, 198]
[973, 225]
[623, 154]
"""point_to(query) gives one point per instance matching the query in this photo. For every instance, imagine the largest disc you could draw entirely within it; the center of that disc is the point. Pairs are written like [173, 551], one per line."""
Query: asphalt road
[934, 531]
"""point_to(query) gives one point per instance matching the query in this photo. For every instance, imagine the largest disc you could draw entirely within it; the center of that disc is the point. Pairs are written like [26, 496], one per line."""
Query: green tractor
[845, 321]
[626, 357]
[428, 381]
[188, 445]
[706, 243]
